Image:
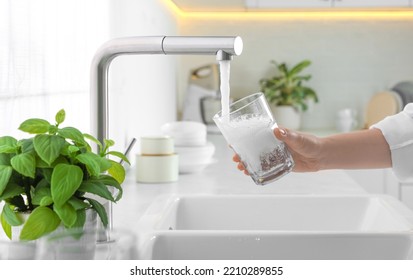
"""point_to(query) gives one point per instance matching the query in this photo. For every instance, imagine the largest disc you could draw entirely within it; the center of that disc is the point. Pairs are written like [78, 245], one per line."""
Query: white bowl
[186, 133]
[194, 159]
[192, 168]
[181, 141]
[196, 153]
[184, 127]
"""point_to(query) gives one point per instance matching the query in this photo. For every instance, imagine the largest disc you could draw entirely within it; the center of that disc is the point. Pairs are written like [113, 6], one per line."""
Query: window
[46, 47]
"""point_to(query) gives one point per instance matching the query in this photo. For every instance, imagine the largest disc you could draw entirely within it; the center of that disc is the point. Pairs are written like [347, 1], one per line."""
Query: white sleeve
[398, 132]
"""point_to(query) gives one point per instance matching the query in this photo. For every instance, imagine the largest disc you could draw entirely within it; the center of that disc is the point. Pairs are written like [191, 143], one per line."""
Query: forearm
[355, 150]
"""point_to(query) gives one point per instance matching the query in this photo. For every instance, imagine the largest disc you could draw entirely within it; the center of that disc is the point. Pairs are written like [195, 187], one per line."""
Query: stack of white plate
[195, 153]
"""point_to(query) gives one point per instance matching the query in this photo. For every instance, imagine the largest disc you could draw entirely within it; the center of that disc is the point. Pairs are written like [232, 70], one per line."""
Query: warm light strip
[174, 8]
[393, 14]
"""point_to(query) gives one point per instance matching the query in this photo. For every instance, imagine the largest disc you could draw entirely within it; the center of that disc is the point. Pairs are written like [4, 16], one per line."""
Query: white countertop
[222, 177]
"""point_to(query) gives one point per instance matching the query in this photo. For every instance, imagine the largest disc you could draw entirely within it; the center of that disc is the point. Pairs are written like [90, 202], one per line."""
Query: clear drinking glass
[17, 250]
[248, 129]
[84, 244]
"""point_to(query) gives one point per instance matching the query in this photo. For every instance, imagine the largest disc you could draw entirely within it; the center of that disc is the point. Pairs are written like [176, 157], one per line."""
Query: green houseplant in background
[287, 93]
[53, 176]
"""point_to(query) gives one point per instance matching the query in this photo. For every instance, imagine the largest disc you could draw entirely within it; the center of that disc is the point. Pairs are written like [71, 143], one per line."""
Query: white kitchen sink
[277, 227]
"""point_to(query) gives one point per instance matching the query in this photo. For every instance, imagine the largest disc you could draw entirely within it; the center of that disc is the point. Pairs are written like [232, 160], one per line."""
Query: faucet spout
[223, 47]
[203, 46]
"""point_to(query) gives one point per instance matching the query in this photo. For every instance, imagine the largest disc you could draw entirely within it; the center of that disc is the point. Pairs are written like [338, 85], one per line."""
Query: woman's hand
[361, 149]
[304, 148]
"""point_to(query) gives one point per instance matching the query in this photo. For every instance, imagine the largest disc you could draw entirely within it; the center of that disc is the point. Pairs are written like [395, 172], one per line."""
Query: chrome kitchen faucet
[223, 47]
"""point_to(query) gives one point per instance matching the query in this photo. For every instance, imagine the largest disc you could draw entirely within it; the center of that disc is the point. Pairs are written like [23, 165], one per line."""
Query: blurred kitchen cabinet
[406, 193]
[401, 190]
[372, 180]
[371, 3]
[383, 181]
[392, 184]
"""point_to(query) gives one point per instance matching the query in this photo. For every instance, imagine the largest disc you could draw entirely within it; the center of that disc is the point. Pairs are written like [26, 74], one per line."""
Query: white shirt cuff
[398, 132]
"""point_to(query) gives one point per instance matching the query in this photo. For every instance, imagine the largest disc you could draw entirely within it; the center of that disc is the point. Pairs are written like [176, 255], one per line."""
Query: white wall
[351, 59]
[142, 87]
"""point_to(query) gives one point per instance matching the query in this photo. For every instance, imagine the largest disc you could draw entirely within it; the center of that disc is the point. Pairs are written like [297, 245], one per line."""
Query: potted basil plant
[287, 94]
[53, 178]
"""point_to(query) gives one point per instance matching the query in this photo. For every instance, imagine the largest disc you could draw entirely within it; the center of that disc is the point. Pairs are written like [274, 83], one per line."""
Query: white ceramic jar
[157, 162]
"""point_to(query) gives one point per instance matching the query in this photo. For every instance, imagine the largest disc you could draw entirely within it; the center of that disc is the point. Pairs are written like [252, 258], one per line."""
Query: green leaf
[11, 217]
[46, 201]
[48, 147]
[35, 126]
[78, 204]
[47, 174]
[24, 164]
[40, 222]
[299, 67]
[108, 143]
[310, 93]
[97, 188]
[117, 171]
[11, 190]
[66, 179]
[72, 134]
[6, 227]
[60, 116]
[5, 173]
[8, 145]
[66, 213]
[41, 191]
[81, 218]
[94, 163]
[104, 163]
[42, 164]
[5, 159]
[6, 149]
[53, 129]
[8, 140]
[119, 155]
[286, 88]
[110, 181]
[73, 149]
[27, 145]
[91, 162]
[283, 69]
[93, 139]
[100, 210]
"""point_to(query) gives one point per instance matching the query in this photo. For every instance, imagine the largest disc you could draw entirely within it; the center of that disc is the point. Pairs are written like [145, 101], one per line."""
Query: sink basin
[277, 227]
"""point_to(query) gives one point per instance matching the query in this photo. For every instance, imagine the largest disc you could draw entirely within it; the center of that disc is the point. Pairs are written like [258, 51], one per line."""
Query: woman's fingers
[240, 165]
[236, 158]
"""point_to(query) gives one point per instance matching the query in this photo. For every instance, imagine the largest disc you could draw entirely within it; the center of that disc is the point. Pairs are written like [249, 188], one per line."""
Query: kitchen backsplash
[351, 59]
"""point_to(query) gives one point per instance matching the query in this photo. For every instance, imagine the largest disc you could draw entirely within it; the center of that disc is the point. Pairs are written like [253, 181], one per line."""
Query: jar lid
[157, 145]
